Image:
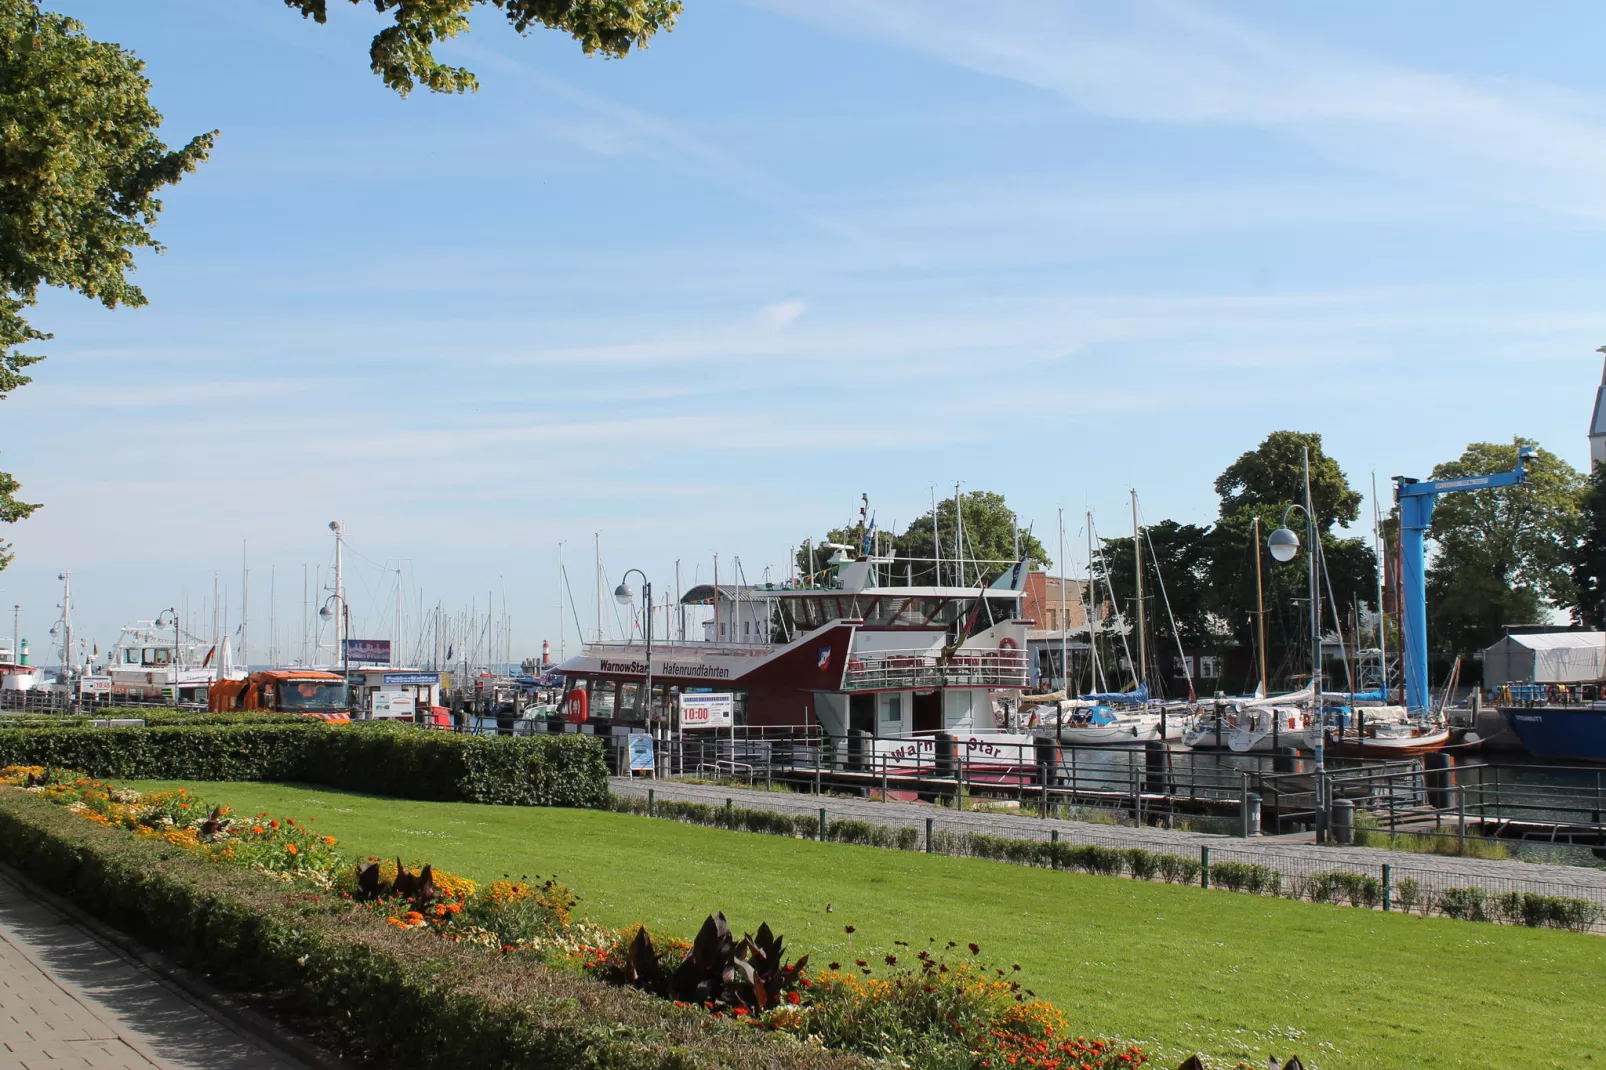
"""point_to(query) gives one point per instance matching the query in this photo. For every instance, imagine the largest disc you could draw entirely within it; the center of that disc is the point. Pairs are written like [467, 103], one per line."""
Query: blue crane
[1416, 500]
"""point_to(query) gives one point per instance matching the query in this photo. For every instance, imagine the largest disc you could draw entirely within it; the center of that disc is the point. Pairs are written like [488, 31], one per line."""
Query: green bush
[1539, 911]
[1141, 864]
[1178, 869]
[378, 993]
[1246, 877]
[402, 761]
[1408, 893]
[1466, 904]
[1095, 858]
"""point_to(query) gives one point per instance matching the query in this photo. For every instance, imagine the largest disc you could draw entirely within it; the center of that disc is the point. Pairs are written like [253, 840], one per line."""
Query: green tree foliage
[403, 54]
[80, 167]
[1502, 556]
[1589, 557]
[990, 531]
[1177, 557]
[1272, 476]
[1263, 483]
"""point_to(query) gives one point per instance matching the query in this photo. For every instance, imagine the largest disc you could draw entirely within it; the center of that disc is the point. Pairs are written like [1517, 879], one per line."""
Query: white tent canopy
[1546, 658]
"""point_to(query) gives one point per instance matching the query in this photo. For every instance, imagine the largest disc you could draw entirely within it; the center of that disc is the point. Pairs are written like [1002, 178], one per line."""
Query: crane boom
[1416, 499]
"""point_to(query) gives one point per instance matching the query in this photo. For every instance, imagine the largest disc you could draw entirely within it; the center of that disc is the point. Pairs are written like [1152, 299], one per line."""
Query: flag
[448, 652]
[208, 659]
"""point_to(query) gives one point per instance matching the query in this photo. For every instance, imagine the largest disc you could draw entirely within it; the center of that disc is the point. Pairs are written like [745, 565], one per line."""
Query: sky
[698, 300]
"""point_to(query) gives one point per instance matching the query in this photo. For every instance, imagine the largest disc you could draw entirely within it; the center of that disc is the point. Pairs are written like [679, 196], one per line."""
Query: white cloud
[1156, 61]
[781, 313]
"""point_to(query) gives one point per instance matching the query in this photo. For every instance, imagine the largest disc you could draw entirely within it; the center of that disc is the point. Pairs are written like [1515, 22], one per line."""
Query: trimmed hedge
[403, 998]
[403, 761]
[742, 819]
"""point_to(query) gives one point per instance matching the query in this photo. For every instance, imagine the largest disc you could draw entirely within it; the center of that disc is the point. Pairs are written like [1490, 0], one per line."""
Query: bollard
[1204, 867]
[1251, 815]
[1053, 849]
[825, 832]
[650, 801]
[1461, 817]
[1388, 887]
[730, 814]
[928, 835]
[1343, 825]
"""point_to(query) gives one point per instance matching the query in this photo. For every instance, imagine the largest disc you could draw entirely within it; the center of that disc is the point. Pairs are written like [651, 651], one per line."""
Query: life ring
[1006, 643]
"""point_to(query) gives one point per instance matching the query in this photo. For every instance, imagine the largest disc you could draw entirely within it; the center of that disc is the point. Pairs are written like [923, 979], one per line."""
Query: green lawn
[1234, 976]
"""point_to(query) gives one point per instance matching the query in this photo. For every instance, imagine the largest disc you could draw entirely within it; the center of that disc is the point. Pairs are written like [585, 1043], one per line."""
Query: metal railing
[903, 669]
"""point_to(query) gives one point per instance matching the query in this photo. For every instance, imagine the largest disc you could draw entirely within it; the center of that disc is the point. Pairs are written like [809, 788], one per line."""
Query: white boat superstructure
[1088, 724]
[141, 664]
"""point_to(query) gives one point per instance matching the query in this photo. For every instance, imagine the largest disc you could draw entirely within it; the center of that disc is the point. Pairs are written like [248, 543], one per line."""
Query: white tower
[1597, 424]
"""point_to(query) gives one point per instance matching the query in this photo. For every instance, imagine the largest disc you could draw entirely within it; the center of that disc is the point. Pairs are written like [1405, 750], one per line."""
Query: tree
[1272, 475]
[403, 53]
[1177, 556]
[1502, 556]
[1589, 557]
[1263, 483]
[80, 167]
[990, 534]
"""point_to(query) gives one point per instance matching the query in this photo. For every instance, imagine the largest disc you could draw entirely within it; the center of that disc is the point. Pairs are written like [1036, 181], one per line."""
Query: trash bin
[1343, 822]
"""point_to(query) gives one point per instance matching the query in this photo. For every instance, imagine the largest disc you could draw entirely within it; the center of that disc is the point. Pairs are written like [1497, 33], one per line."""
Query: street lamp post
[1283, 544]
[345, 646]
[161, 621]
[625, 596]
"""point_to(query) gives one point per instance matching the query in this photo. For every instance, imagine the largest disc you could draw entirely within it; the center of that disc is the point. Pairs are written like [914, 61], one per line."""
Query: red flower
[891, 960]
[793, 998]
[847, 928]
[974, 949]
[740, 1012]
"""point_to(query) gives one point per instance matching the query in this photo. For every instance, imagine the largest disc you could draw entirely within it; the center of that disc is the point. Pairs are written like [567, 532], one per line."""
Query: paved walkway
[68, 999]
[1292, 859]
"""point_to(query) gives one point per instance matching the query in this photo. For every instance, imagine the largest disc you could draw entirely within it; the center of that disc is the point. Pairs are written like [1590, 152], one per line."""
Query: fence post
[824, 831]
[730, 814]
[1388, 887]
[929, 822]
[959, 782]
[883, 758]
[1204, 867]
[651, 809]
[819, 756]
[1053, 854]
[1461, 816]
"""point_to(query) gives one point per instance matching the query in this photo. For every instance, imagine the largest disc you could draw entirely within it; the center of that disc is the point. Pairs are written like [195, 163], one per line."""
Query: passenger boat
[851, 656]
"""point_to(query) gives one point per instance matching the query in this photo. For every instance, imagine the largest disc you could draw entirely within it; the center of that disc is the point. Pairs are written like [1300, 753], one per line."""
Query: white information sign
[709, 710]
[398, 704]
[95, 685]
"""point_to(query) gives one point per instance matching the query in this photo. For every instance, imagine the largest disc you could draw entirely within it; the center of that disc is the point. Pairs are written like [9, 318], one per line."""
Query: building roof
[1556, 640]
[1597, 425]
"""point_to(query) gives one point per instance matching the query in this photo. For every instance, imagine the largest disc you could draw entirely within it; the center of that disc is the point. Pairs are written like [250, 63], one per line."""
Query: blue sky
[699, 299]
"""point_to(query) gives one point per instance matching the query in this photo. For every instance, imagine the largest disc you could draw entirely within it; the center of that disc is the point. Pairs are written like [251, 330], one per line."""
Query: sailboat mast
[936, 541]
[561, 628]
[959, 535]
[1260, 612]
[1065, 665]
[1137, 558]
[1093, 619]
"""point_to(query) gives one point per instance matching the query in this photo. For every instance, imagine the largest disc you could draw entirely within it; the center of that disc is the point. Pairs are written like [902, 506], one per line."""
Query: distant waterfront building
[1597, 424]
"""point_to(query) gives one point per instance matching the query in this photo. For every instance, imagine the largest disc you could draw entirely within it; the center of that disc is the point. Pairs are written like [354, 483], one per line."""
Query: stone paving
[1292, 859]
[68, 999]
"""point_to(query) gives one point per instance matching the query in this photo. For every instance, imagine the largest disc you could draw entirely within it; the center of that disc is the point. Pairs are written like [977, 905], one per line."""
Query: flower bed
[938, 1007]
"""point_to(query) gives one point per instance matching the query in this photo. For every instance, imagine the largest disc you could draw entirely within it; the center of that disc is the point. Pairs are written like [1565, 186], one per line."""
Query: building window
[1209, 667]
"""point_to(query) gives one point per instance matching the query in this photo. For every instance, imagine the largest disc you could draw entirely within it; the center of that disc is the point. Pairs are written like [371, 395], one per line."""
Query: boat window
[739, 707]
[158, 655]
[950, 610]
[601, 699]
[885, 610]
[629, 699]
[892, 708]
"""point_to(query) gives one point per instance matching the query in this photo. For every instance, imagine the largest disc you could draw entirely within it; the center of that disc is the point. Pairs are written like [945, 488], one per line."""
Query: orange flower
[330, 840]
[257, 829]
[274, 823]
[290, 847]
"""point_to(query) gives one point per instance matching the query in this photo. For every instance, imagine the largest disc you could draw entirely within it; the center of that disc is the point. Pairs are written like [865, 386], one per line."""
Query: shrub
[1408, 893]
[1465, 904]
[424, 1002]
[402, 761]
[1095, 858]
[1141, 864]
[1246, 877]
[1178, 869]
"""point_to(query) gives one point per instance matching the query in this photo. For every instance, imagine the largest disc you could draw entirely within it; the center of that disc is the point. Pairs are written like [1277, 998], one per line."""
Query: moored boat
[1572, 732]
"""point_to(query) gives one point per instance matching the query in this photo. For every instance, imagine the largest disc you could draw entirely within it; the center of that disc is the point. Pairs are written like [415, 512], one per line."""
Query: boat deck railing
[922, 668]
